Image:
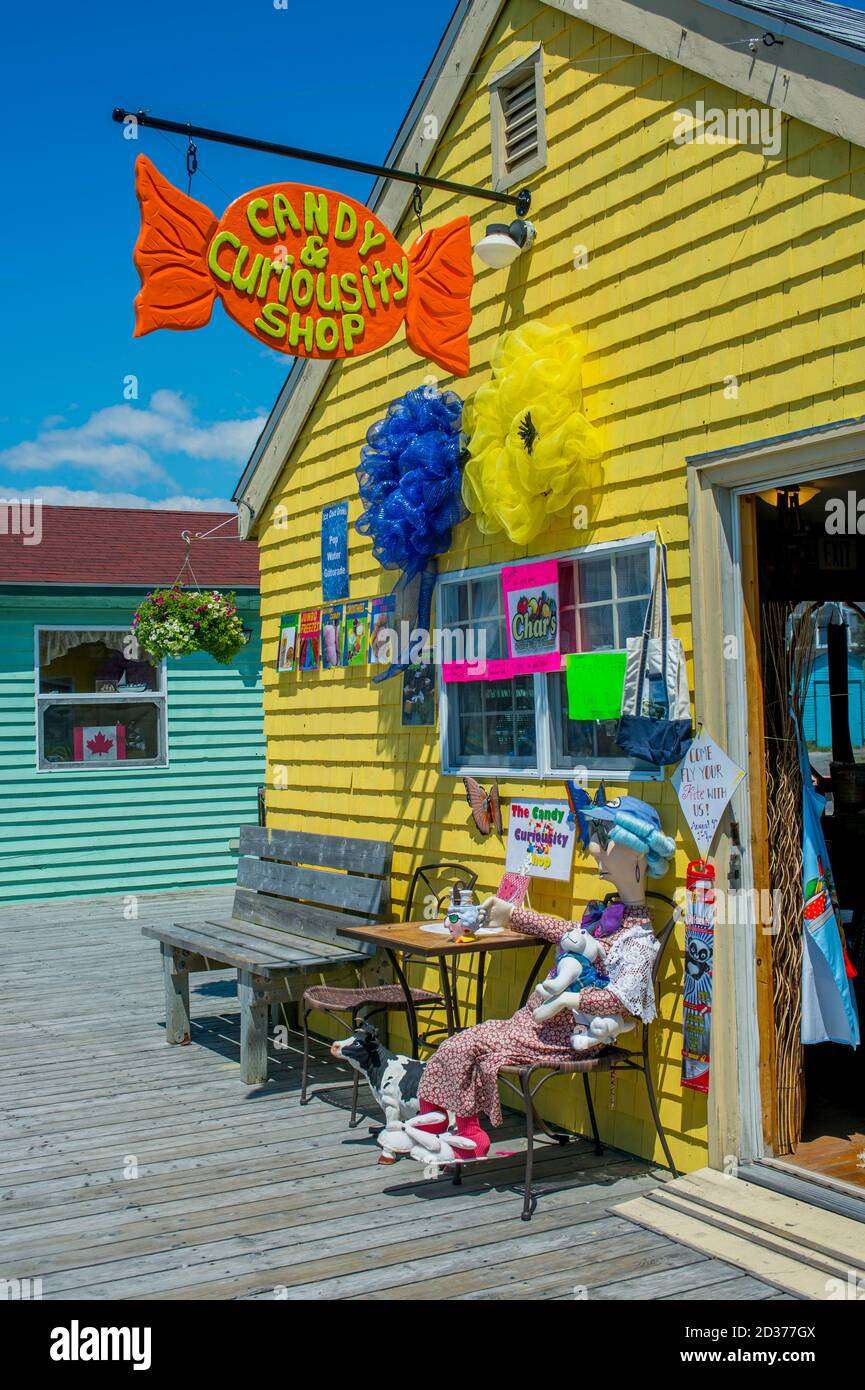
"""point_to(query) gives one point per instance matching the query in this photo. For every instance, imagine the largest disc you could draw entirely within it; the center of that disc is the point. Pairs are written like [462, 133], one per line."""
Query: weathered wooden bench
[294, 891]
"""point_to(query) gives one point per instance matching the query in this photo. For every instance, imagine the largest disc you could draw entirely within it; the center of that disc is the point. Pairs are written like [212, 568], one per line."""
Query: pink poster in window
[530, 595]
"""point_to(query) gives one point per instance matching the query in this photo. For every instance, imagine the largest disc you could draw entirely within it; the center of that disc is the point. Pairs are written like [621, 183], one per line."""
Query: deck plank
[134, 1170]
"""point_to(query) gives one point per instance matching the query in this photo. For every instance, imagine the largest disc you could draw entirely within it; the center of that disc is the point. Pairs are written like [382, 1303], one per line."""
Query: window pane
[491, 633]
[526, 735]
[524, 693]
[486, 597]
[631, 617]
[470, 742]
[580, 742]
[494, 722]
[100, 732]
[499, 694]
[566, 584]
[454, 601]
[473, 610]
[500, 735]
[632, 574]
[471, 697]
[597, 629]
[596, 582]
[93, 662]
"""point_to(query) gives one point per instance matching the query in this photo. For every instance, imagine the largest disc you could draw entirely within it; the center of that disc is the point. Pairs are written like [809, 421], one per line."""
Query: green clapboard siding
[125, 831]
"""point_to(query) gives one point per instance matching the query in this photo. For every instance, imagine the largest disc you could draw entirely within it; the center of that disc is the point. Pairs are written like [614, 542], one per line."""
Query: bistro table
[410, 939]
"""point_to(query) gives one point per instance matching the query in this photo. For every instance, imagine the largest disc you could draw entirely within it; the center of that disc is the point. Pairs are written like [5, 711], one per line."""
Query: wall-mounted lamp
[503, 243]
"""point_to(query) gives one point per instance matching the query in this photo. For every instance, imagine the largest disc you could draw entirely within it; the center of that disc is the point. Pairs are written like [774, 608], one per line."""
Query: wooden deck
[133, 1170]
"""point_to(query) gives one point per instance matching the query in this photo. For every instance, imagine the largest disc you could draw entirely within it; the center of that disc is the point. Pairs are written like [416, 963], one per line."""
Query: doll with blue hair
[635, 826]
[594, 993]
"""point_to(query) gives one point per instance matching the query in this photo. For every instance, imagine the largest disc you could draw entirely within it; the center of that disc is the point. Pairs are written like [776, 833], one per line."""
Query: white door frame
[716, 481]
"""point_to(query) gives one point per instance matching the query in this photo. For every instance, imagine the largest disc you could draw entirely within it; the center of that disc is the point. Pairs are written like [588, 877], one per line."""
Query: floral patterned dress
[462, 1075]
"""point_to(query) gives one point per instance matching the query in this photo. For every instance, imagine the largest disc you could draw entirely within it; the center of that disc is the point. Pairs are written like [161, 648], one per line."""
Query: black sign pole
[520, 201]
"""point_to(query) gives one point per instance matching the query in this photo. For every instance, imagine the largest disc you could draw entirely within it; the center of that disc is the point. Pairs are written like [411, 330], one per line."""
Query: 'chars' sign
[308, 272]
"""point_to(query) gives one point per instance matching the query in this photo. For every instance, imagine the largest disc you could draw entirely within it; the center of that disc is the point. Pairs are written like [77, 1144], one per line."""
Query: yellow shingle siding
[706, 263]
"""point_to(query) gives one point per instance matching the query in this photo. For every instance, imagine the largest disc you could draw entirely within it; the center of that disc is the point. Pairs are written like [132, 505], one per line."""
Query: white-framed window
[517, 118]
[100, 701]
[520, 726]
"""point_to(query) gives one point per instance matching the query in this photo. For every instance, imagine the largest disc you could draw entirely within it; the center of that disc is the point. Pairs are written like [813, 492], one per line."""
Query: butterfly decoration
[486, 806]
[578, 800]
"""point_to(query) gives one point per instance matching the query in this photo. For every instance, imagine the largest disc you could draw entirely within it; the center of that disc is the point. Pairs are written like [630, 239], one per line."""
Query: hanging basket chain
[191, 162]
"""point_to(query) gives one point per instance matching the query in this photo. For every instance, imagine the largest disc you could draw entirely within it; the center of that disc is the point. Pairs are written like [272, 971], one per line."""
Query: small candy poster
[356, 633]
[287, 651]
[541, 837]
[381, 625]
[531, 602]
[331, 636]
[309, 640]
[704, 782]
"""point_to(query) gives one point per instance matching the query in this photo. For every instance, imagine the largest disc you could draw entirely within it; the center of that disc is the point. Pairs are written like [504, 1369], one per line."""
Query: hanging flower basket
[176, 622]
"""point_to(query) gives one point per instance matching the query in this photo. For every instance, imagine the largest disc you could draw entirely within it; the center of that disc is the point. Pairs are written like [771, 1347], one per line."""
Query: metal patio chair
[365, 1001]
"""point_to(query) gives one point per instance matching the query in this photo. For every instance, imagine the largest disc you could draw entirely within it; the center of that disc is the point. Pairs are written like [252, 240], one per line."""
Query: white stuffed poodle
[579, 962]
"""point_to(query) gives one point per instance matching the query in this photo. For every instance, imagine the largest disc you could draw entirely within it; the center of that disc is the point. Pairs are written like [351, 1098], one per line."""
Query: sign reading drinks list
[334, 552]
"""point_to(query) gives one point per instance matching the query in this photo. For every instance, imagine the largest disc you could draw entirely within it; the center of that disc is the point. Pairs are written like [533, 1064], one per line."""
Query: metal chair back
[428, 877]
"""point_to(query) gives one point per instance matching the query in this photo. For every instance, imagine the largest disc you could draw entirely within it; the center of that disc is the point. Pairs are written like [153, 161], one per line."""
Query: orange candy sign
[308, 272]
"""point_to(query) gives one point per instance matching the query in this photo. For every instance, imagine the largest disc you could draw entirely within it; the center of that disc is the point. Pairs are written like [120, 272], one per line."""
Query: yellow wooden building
[697, 173]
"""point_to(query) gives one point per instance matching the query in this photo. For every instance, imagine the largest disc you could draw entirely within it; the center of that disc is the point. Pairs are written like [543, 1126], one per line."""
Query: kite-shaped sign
[308, 272]
[704, 781]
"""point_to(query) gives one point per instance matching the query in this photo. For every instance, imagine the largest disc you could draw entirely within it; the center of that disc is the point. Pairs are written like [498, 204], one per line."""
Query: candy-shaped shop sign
[308, 272]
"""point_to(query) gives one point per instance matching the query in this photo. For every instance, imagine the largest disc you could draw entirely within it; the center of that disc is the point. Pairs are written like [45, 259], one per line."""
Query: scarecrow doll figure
[627, 843]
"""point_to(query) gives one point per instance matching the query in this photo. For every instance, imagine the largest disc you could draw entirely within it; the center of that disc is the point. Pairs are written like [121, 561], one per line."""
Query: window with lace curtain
[100, 701]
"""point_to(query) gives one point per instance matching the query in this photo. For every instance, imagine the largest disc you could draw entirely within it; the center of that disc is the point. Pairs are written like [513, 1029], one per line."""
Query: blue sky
[330, 74]
[333, 75]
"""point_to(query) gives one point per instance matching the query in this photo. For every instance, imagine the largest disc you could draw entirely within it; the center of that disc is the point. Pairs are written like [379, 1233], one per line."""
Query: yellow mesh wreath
[530, 447]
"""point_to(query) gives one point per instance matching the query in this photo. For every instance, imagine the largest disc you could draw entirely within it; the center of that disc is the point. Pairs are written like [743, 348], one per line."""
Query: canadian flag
[100, 743]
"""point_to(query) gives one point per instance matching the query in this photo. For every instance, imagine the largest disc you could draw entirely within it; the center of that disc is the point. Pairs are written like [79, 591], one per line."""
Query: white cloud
[69, 497]
[122, 443]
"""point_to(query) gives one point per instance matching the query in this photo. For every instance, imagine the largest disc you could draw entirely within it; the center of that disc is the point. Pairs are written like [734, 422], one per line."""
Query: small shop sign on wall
[334, 552]
[704, 781]
[287, 650]
[541, 837]
[531, 599]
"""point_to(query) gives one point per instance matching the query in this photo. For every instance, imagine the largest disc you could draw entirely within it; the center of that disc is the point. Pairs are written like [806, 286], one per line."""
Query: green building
[119, 774]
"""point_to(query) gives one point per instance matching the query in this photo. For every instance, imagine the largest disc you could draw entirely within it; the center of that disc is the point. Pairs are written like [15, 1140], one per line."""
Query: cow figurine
[393, 1079]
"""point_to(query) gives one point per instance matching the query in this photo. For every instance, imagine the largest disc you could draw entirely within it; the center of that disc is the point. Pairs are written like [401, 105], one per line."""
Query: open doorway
[809, 584]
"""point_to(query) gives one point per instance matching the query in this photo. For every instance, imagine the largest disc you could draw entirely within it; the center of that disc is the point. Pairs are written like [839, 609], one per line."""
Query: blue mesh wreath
[410, 479]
